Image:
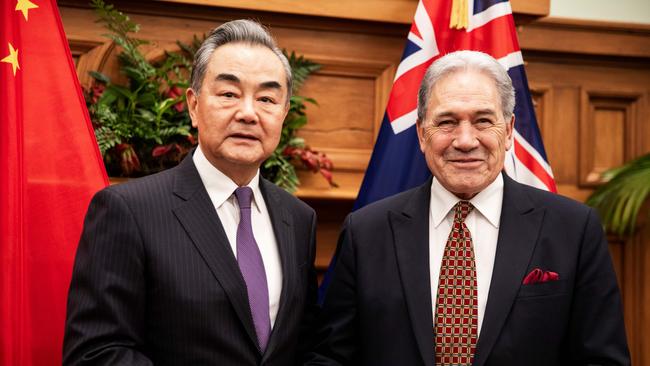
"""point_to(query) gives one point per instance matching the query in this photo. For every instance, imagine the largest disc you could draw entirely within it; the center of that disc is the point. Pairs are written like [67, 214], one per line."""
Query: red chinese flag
[50, 167]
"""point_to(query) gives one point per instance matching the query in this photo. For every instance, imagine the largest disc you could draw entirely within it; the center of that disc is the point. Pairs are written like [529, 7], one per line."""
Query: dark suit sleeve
[334, 340]
[596, 329]
[106, 302]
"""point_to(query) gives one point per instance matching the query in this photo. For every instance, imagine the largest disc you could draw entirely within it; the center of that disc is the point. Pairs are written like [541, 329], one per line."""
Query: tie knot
[244, 195]
[462, 209]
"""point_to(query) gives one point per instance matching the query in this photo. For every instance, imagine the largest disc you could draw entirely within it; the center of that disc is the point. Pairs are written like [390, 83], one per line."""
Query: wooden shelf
[314, 186]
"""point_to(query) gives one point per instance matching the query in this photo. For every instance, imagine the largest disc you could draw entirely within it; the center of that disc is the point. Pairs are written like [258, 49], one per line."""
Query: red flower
[325, 162]
[310, 160]
[289, 151]
[128, 159]
[96, 91]
[327, 174]
[313, 160]
[165, 149]
[176, 92]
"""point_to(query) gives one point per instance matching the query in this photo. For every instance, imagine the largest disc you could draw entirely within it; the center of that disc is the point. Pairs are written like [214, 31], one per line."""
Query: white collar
[219, 186]
[488, 202]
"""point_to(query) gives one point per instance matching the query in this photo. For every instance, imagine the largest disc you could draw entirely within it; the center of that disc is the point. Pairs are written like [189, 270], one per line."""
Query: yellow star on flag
[12, 58]
[24, 6]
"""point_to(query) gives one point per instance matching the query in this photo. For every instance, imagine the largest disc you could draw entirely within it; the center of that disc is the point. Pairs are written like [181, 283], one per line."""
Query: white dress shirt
[221, 190]
[483, 225]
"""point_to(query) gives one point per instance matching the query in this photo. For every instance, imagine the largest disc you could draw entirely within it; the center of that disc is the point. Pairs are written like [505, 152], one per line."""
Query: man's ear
[421, 139]
[287, 106]
[510, 127]
[192, 103]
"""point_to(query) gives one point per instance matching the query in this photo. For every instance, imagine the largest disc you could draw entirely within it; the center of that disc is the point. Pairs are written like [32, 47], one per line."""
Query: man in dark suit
[471, 268]
[206, 263]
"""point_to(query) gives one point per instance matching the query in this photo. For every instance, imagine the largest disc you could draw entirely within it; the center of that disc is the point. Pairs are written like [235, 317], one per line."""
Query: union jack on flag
[441, 27]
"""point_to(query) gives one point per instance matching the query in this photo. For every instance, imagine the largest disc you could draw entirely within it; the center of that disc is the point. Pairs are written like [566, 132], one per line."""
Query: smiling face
[464, 135]
[240, 108]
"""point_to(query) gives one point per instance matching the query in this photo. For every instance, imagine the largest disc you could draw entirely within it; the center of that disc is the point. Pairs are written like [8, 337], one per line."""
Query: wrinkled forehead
[237, 62]
[470, 86]
[251, 56]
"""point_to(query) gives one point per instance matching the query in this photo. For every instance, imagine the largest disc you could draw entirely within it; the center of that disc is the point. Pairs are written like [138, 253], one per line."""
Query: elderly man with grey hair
[471, 268]
[206, 263]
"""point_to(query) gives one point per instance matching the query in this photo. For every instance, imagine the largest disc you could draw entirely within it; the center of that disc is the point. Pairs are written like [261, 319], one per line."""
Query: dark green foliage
[133, 120]
[621, 198]
[301, 68]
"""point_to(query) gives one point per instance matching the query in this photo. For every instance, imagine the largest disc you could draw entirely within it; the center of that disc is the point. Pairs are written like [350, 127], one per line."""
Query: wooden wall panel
[596, 120]
[344, 116]
[81, 48]
[542, 96]
[607, 121]
[561, 136]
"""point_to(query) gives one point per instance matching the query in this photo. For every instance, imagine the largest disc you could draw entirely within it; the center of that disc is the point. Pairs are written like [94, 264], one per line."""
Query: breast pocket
[550, 288]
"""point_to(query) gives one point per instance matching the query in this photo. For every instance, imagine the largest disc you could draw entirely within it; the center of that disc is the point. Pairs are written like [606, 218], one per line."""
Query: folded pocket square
[539, 276]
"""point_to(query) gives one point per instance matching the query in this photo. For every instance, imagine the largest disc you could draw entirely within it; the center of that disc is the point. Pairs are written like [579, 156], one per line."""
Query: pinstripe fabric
[155, 280]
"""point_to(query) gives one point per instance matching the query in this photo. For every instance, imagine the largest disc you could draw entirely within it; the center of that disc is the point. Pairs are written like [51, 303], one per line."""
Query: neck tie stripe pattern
[456, 323]
[251, 266]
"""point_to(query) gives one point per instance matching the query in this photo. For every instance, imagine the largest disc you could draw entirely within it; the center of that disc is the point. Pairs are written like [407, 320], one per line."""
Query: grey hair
[237, 31]
[464, 61]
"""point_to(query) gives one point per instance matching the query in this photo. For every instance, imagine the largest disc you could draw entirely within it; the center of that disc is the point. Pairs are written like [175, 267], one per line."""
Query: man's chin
[468, 187]
[246, 160]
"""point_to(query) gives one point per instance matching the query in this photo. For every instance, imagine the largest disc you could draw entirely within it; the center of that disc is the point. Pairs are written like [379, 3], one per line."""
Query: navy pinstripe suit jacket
[155, 280]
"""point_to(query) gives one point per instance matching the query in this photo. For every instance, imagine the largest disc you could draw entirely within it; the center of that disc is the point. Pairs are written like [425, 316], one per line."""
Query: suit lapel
[411, 238]
[282, 223]
[199, 218]
[519, 228]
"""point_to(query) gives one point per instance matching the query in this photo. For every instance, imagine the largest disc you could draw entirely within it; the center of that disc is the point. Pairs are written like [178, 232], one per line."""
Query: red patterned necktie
[456, 325]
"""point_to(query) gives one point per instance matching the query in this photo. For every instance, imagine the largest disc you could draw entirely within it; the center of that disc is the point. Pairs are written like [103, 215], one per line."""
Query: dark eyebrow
[234, 79]
[228, 77]
[271, 85]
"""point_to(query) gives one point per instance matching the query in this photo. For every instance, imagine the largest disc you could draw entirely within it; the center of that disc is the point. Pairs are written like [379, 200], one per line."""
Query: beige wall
[629, 11]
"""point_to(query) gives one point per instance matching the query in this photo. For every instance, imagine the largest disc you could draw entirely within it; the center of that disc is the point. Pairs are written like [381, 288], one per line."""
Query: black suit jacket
[155, 280]
[378, 309]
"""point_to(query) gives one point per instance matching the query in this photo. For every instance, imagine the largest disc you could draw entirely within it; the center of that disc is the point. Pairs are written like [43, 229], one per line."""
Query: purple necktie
[252, 268]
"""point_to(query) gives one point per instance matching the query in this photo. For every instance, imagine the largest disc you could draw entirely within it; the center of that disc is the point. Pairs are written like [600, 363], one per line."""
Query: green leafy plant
[620, 199]
[143, 127]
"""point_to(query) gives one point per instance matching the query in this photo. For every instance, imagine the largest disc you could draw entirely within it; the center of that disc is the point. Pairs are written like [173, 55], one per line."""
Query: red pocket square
[539, 276]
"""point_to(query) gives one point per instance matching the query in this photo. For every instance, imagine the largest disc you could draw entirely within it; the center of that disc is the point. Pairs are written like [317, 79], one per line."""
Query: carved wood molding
[94, 59]
[542, 95]
[580, 37]
[548, 34]
[608, 122]
[391, 11]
